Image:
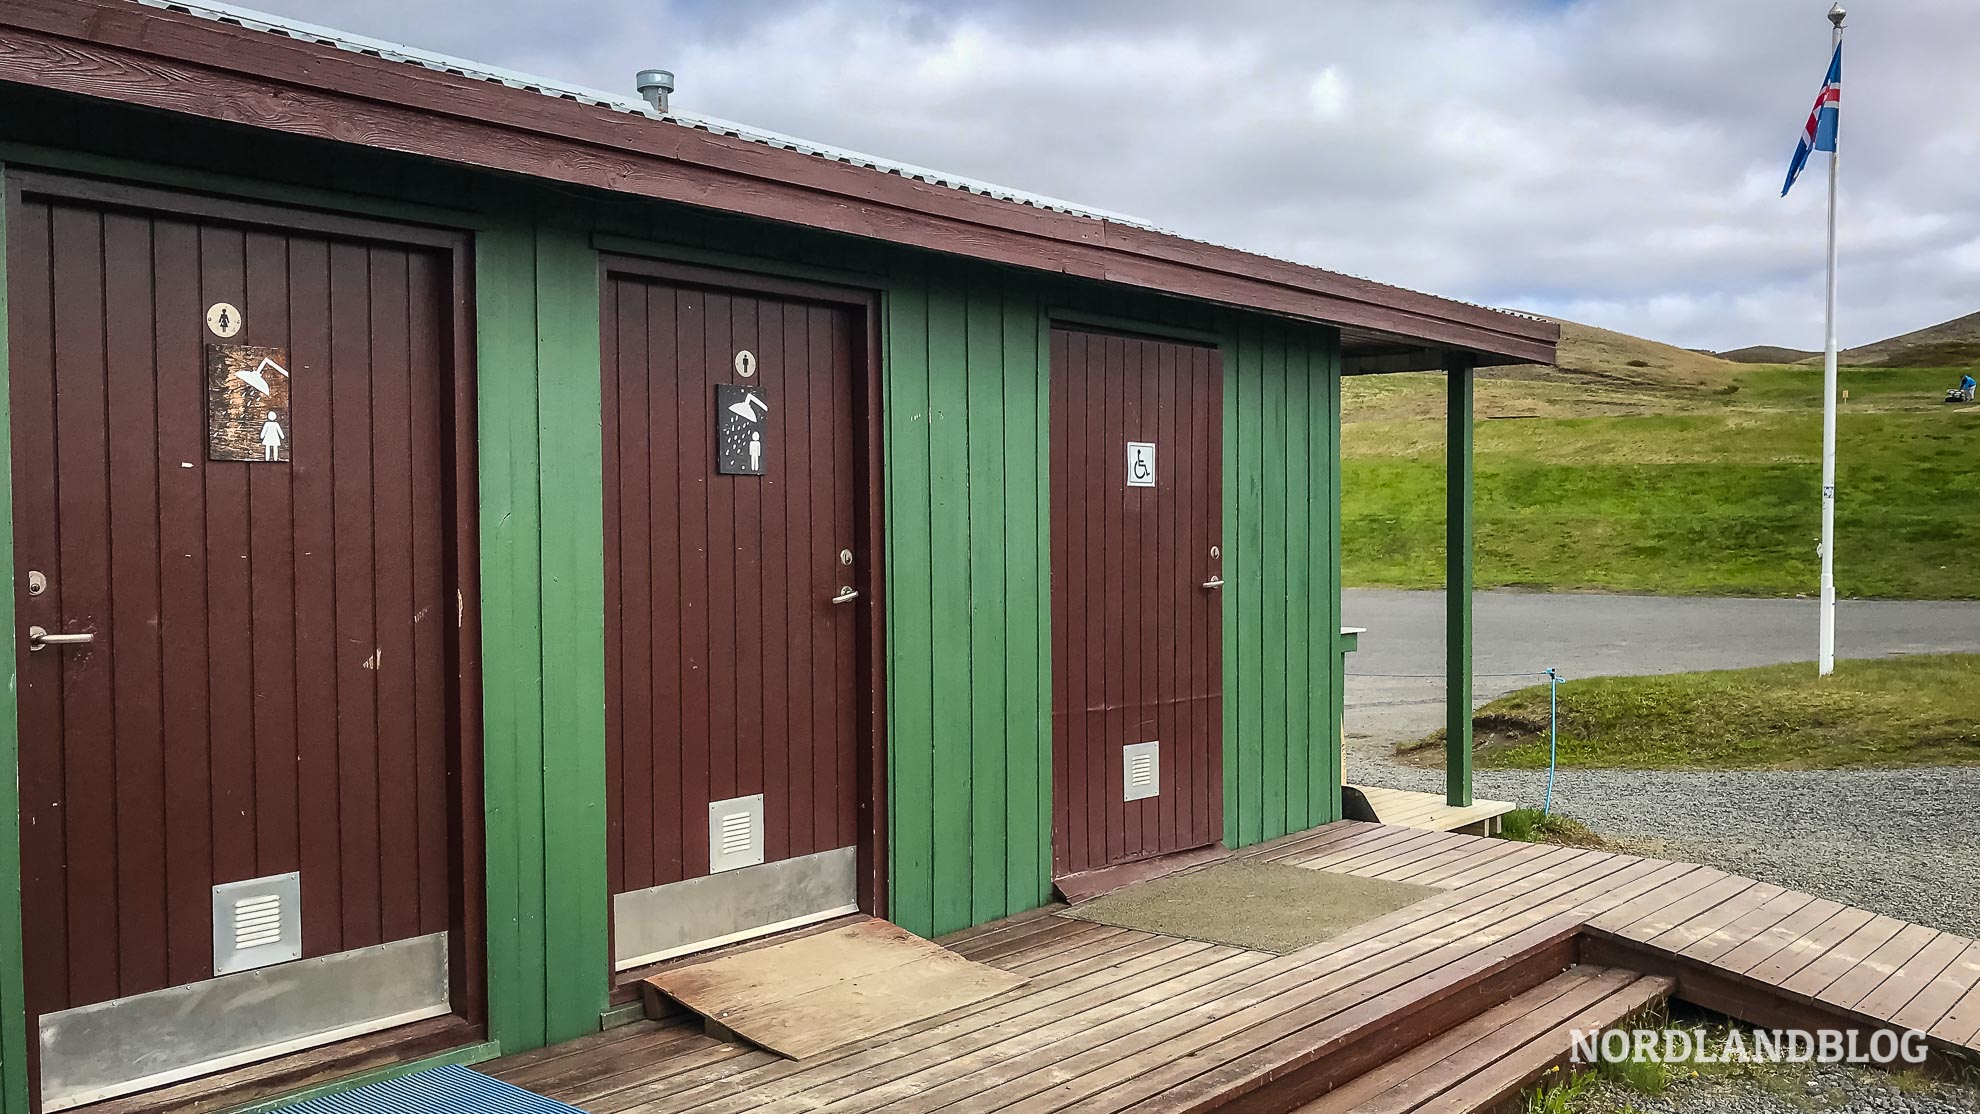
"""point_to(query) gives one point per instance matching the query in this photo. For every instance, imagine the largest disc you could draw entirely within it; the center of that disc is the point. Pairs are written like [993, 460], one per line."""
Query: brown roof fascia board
[132, 54]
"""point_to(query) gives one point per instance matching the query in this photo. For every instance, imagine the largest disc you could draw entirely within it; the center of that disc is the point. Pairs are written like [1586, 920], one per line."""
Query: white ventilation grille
[1141, 771]
[735, 833]
[738, 834]
[257, 922]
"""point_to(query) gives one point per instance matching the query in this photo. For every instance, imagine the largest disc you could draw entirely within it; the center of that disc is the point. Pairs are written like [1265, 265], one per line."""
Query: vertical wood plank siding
[572, 505]
[14, 1081]
[1141, 639]
[542, 600]
[966, 494]
[1282, 613]
[728, 671]
[269, 688]
[969, 619]
[967, 379]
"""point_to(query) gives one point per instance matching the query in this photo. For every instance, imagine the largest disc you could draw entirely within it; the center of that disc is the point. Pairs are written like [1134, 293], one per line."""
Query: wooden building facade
[645, 506]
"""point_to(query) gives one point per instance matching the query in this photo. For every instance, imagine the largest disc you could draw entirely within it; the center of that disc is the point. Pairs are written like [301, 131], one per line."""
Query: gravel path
[1790, 1089]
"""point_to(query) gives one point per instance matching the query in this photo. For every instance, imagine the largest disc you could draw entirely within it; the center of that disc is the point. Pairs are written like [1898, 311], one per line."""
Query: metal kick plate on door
[661, 922]
[105, 1049]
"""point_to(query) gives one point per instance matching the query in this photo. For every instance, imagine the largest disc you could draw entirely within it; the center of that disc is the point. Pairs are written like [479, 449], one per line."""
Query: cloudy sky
[1616, 162]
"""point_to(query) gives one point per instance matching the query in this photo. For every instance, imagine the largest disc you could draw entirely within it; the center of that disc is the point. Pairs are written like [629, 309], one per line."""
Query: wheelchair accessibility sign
[1141, 464]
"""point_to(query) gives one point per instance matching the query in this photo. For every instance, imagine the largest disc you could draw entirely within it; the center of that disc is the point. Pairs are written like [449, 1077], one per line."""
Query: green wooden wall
[968, 503]
[13, 1018]
[543, 633]
[968, 595]
[1282, 615]
[966, 509]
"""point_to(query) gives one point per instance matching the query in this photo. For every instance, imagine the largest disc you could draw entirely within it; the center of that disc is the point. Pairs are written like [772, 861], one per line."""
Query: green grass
[1564, 1097]
[1573, 1094]
[1903, 388]
[1645, 1077]
[1530, 825]
[1900, 711]
[1722, 503]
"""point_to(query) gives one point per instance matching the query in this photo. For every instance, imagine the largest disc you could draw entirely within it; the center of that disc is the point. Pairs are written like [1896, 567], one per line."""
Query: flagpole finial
[1837, 14]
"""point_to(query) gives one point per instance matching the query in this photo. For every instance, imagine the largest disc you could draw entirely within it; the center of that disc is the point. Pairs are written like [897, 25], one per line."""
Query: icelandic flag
[1819, 134]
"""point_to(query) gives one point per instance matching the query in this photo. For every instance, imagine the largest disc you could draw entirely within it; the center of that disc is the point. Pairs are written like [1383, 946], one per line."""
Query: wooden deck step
[1486, 1061]
[1429, 812]
[1276, 1057]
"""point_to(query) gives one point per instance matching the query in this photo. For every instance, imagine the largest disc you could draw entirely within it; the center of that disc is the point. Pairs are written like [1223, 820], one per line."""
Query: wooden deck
[1429, 811]
[1116, 1020]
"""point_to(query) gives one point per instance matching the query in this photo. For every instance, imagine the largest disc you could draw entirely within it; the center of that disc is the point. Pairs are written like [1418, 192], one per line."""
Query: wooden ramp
[1429, 811]
[1749, 949]
[1455, 996]
[812, 993]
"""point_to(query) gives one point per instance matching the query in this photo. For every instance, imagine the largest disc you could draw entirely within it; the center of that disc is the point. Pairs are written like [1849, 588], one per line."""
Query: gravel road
[1390, 697]
[1902, 842]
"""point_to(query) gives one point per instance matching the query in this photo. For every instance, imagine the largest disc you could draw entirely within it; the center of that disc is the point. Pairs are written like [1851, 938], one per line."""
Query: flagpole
[1826, 656]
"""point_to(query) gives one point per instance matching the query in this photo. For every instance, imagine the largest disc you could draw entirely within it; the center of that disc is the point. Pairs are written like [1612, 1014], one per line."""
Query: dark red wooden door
[275, 675]
[1136, 636]
[729, 671]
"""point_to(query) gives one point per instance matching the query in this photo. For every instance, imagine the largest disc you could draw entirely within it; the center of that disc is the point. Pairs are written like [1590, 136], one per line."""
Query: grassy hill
[1954, 343]
[1600, 372]
[1647, 468]
[1588, 351]
[1766, 354]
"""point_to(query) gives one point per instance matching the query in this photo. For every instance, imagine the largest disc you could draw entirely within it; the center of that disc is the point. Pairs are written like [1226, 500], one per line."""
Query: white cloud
[1609, 160]
[1328, 93]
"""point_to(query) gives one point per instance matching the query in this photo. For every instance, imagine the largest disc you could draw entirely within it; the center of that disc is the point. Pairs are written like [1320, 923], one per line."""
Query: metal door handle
[39, 637]
[1214, 582]
[847, 594]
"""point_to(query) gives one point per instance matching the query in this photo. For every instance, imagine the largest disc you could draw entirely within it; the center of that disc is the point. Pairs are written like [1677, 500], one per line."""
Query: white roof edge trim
[632, 106]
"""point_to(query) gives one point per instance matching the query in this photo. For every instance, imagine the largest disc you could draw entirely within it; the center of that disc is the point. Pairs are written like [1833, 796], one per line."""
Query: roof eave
[118, 51]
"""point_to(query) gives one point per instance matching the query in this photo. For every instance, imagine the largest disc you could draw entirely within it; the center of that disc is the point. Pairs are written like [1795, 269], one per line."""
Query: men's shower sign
[247, 403]
[742, 430]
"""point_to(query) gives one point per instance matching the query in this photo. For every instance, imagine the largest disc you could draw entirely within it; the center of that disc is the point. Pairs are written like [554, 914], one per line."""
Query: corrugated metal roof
[252, 20]
[634, 106]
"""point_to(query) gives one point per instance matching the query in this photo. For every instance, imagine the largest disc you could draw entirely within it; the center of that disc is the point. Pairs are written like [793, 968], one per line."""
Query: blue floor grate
[445, 1090]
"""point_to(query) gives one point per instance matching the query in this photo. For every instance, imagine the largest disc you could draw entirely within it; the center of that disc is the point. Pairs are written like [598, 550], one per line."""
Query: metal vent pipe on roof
[655, 85]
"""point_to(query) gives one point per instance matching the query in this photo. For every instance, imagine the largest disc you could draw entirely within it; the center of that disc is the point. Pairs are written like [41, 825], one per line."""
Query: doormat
[1266, 907]
[811, 994]
[444, 1090]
